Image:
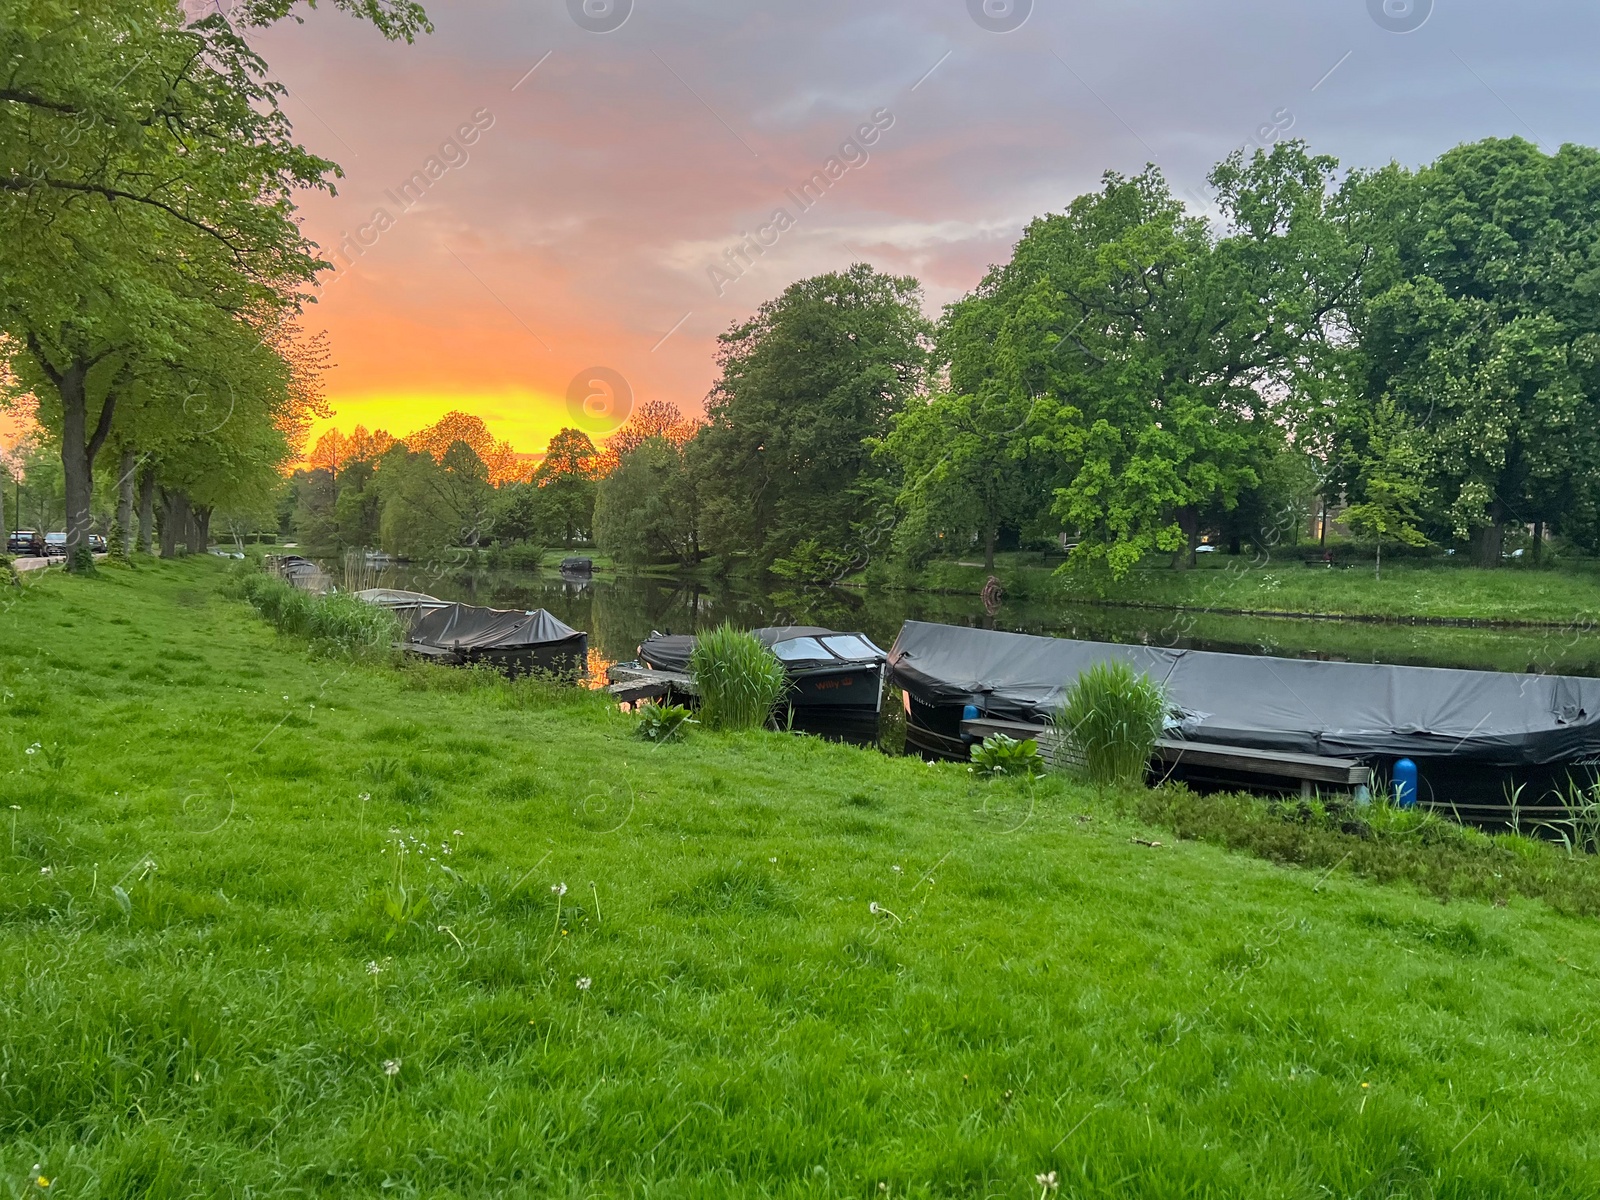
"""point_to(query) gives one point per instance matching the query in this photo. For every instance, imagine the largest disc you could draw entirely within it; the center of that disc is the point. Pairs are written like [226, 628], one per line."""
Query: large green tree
[431, 505]
[1479, 319]
[565, 487]
[146, 183]
[806, 385]
[648, 509]
[1165, 360]
[1388, 487]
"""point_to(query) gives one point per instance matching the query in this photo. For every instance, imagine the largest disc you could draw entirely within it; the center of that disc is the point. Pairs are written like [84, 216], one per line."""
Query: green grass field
[1565, 596]
[241, 961]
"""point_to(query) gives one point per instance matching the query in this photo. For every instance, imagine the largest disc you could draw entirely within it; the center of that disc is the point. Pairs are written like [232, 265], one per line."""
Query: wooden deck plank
[631, 684]
[1308, 768]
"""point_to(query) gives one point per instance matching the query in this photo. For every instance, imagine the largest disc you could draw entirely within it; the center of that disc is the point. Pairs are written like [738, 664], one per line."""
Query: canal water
[620, 611]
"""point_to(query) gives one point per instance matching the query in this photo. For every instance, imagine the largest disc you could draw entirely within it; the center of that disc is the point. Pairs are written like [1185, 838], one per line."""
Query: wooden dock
[1309, 770]
[631, 684]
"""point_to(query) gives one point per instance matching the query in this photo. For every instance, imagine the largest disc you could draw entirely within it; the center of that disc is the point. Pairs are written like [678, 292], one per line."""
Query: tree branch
[17, 96]
[21, 183]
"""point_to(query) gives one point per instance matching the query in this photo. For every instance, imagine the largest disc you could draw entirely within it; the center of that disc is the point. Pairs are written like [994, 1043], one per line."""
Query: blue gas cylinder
[1405, 783]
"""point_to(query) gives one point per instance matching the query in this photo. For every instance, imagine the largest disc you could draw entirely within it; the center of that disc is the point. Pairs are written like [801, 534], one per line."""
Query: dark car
[55, 545]
[26, 542]
[97, 543]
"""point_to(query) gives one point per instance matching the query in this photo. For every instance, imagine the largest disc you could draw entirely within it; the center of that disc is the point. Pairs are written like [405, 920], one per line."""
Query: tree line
[1414, 348]
[153, 272]
[1417, 350]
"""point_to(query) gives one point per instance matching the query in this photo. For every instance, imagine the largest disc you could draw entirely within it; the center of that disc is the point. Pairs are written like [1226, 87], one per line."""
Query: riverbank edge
[1041, 583]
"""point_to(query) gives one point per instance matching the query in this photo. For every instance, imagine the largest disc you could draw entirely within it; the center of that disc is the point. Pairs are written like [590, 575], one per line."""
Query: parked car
[26, 542]
[55, 545]
[98, 544]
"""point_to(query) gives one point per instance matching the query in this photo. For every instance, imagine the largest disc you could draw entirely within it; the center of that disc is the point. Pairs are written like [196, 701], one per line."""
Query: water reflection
[621, 611]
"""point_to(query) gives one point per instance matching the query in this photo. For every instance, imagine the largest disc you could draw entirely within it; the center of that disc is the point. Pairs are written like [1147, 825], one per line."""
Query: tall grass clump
[739, 679]
[335, 623]
[1110, 721]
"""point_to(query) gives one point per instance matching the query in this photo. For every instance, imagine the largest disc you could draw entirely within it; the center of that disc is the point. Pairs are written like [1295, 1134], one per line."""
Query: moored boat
[835, 679]
[1479, 738]
[517, 642]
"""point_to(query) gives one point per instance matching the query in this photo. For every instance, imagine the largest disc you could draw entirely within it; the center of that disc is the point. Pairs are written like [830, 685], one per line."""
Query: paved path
[37, 564]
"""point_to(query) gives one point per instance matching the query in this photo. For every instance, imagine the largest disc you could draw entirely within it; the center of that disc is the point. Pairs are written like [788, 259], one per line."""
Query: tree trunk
[147, 502]
[990, 538]
[1489, 541]
[1189, 522]
[1322, 526]
[125, 472]
[75, 458]
[1538, 541]
[174, 521]
[199, 529]
[1377, 572]
[78, 449]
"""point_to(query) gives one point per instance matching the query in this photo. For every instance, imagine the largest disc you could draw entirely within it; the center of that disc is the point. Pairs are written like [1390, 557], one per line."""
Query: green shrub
[337, 622]
[739, 679]
[999, 755]
[1110, 721]
[662, 722]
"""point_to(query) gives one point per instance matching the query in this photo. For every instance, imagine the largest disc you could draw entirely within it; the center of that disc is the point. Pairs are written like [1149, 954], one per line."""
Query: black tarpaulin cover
[1350, 710]
[465, 628]
[671, 651]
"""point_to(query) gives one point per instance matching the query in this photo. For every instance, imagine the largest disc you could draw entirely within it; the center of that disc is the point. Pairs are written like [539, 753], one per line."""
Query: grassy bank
[1220, 583]
[241, 959]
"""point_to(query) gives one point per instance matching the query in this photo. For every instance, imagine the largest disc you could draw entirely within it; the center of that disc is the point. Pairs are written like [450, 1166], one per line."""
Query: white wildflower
[583, 983]
[391, 1067]
[560, 889]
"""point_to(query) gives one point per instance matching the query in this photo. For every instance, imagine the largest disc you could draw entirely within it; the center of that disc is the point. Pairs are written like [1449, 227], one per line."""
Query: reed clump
[1110, 721]
[739, 680]
[336, 622]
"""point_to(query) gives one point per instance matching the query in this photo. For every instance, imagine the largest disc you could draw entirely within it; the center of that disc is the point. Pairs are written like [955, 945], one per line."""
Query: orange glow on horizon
[522, 417]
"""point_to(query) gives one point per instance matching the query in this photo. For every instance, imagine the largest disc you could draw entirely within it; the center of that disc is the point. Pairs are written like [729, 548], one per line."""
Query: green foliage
[662, 722]
[146, 160]
[739, 679]
[1388, 482]
[430, 506]
[647, 509]
[1001, 756]
[804, 387]
[1477, 320]
[811, 562]
[336, 623]
[1385, 843]
[1158, 351]
[555, 507]
[1110, 720]
[963, 457]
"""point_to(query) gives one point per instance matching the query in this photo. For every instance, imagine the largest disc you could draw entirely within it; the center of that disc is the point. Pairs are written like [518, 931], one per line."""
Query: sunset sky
[611, 171]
